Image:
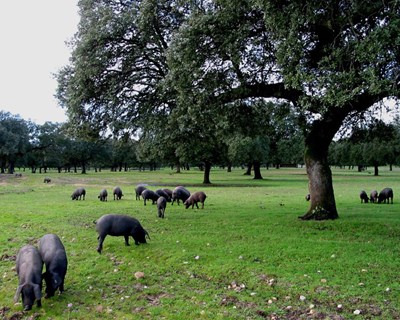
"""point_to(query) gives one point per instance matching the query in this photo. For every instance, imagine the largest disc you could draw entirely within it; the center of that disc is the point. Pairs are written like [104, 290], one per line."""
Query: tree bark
[376, 168]
[317, 141]
[207, 170]
[257, 170]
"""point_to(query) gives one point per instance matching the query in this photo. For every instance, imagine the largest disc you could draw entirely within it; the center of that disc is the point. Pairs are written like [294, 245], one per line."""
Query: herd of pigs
[384, 196]
[51, 251]
[52, 254]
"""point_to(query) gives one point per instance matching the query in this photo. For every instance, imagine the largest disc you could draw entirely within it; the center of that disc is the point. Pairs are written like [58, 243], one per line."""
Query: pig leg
[126, 240]
[101, 240]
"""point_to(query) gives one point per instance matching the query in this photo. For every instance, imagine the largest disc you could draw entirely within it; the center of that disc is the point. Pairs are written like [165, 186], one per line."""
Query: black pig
[149, 195]
[138, 190]
[373, 196]
[29, 267]
[103, 195]
[163, 193]
[120, 225]
[54, 257]
[117, 192]
[196, 197]
[180, 193]
[363, 196]
[385, 194]
[78, 194]
[161, 204]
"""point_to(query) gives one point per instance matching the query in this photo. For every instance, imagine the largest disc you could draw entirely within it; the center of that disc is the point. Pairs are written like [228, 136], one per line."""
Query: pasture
[244, 256]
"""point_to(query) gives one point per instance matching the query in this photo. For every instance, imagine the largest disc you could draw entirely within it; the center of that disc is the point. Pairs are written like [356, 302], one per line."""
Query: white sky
[32, 48]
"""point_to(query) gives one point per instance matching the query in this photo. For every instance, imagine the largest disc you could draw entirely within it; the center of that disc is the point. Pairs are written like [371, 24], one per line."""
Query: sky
[33, 37]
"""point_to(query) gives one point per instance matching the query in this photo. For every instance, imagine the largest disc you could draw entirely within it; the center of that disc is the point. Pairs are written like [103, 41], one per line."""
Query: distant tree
[14, 140]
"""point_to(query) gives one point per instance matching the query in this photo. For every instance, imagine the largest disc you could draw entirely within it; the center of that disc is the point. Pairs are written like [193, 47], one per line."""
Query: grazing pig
[198, 196]
[54, 257]
[29, 267]
[385, 194]
[149, 195]
[308, 197]
[161, 204]
[78, 194]
[138, 190]
[120, 225]
[169, 193]
[364, 197]
[164, 194]
[180, 193]
[46, 180]
[117, 192]
[103, 195]
[373, 196]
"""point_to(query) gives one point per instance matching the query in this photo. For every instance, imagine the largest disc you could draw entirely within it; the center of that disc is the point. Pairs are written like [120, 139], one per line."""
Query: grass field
[246, 255]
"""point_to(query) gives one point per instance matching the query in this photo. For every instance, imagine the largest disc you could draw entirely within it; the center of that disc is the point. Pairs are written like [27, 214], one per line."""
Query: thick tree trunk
[322, 198]
[317, 141]
[257, 170]
[207, 170]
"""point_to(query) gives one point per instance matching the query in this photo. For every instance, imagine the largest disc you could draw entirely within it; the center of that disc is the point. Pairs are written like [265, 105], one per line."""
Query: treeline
[24, 144]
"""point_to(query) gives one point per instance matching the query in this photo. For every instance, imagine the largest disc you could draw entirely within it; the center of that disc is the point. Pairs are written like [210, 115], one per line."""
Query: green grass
[245, 256]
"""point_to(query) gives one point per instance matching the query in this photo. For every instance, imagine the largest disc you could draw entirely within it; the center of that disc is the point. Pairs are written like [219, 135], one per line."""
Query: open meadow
[246, 255]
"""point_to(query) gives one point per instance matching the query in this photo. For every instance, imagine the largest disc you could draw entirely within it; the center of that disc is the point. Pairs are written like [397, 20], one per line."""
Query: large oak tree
[330, 59]
[137, 63]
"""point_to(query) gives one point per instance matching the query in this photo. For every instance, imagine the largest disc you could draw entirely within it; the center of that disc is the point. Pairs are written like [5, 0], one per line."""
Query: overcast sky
[32, 39]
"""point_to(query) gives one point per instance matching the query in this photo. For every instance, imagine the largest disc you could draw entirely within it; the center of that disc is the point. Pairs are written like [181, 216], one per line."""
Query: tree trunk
[317, 141]
[248, 171]
[257, 170]
[207, 170]
[376, 168]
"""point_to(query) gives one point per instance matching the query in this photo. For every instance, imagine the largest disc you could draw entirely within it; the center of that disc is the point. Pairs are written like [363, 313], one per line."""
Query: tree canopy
[136, 64]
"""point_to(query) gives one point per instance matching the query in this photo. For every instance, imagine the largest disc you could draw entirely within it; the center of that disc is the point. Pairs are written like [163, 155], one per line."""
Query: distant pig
[54, 257]
[373, 196]
[161, 204]
[149, 195]
[164, 194]
[138, 190]
[120, 225]
[308, 197]
[385, 194]
[364, 197]
[117, 192]
[103, 195]
[169, 193]
[46, 180]
[180, 193]
[29, 267]
[78, 194]
[196, 197]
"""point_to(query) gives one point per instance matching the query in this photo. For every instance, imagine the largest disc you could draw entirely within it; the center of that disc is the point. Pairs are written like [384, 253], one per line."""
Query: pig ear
[38, 291]
[17, 293]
